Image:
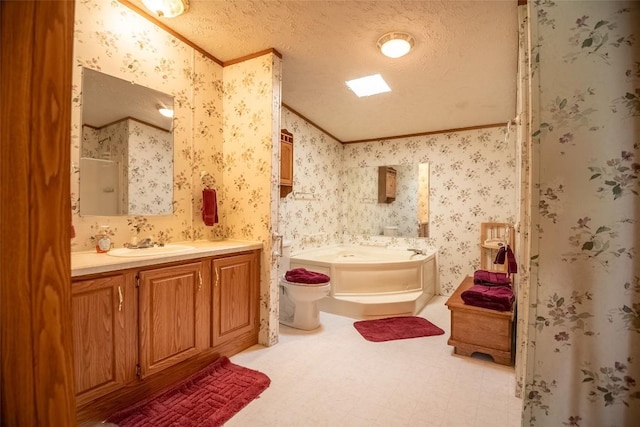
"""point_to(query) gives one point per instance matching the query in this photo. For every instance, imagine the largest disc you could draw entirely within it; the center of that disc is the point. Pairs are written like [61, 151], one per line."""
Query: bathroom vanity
[142, 323]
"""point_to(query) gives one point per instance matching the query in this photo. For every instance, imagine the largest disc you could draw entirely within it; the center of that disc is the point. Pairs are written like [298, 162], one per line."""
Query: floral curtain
[582, 365]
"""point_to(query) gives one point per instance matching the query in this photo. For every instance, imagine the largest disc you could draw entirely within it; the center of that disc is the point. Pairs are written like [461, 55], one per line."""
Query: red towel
[499, 298]
[490, 278]
[305, 277]
[512, 265]
[209, 207]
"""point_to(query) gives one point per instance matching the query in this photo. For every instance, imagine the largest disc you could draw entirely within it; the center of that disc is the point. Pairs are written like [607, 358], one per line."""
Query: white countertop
[90, 262]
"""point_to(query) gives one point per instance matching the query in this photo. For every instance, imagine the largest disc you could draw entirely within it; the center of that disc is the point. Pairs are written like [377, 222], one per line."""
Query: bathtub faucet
[416, 251]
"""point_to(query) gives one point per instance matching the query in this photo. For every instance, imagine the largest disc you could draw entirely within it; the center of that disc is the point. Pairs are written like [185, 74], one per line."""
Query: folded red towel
[209, 207]
[490, 278]
[499, 298]
[305, 277]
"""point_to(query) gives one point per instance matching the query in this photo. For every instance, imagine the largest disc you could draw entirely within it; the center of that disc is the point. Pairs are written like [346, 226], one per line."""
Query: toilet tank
[284, 261]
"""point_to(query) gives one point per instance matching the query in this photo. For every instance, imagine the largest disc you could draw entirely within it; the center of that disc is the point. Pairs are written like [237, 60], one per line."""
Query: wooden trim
[310, 122]
[185, 40]
[35, 297]
[175, 34]
[522, 2]
[435, 132]
[251, 56]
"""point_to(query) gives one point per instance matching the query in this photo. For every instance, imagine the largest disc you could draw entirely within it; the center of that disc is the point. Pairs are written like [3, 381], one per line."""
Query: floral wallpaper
[112, 39]
[472, 180]
[251, 168]
[225, 137]
[462, 196]
[311, 215]
[583, 367]
[149, 169]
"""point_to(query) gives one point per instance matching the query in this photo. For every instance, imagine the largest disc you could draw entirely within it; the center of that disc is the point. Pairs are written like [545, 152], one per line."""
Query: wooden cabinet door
[286, 163]
[104, 315]
[391, 184]
[386, 184]
[173, 321]
[235, 297]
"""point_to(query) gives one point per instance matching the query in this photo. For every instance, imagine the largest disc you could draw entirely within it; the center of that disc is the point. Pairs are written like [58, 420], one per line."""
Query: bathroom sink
[155, 250]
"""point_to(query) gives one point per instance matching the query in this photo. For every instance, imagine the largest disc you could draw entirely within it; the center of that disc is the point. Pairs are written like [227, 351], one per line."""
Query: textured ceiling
[461, 72]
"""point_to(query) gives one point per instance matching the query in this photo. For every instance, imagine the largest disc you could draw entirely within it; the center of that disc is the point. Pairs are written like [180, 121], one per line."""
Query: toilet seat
[304, 285]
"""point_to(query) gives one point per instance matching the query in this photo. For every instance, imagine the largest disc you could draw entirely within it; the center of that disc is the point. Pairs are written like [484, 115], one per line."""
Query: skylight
[369, 85]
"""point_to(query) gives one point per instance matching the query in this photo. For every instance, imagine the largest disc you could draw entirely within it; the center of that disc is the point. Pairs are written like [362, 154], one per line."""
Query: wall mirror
[406, 216]
[126, 152]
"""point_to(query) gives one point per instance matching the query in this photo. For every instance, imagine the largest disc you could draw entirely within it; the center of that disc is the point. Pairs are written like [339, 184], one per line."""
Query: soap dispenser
[103, 241]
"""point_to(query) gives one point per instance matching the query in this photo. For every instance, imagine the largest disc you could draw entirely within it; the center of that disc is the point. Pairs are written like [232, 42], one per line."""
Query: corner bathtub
[372, 281]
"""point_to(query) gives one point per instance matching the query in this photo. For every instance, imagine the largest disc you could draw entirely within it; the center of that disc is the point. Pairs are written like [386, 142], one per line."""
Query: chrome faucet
[147, 242]
[416, 251]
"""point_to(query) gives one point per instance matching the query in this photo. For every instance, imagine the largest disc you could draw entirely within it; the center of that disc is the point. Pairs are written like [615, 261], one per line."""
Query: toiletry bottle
[103, 241]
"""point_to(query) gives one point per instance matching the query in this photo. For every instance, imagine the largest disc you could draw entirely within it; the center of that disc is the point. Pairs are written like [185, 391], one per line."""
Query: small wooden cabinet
[286, 162]
[103, 344]
[386, 184]
[173, 319]
[477, 329]
[235, 298]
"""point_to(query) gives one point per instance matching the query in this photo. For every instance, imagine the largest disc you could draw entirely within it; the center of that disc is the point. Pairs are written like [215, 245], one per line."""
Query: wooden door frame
[36, 59]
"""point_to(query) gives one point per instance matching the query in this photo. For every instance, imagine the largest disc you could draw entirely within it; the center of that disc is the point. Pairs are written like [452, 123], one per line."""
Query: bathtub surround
[369, 282]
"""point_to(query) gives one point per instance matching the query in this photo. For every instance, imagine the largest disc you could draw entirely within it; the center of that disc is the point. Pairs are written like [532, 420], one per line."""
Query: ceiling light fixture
[369, 85]
[167, 8]
[395, 44]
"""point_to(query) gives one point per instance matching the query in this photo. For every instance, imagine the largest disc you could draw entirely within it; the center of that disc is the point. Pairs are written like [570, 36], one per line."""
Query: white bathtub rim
[332, 254]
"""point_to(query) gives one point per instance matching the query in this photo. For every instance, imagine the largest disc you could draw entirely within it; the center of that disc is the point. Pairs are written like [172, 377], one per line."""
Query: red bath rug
[396, 328]
[208, 398]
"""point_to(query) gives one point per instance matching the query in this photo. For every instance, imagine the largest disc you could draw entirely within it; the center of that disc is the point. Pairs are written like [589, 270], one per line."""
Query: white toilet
[299, 302]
